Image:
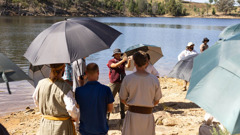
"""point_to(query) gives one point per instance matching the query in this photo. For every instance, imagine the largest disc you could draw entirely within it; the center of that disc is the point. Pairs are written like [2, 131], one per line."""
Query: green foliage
[131, 6]
[141, 5]
[174, 8]
[25, 5]
[184, 11]
[213, 11]
[218, 131]
[161, 8]
[225, 6]
[195, 9]
[203, 11]
[210, 1]
[149, 8]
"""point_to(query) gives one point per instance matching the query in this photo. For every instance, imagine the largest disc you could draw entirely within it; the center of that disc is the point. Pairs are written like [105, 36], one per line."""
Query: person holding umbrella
[189, 51]
[79, 77]
[117, 73]
[150, 68]
[55, 100]
[204, 45]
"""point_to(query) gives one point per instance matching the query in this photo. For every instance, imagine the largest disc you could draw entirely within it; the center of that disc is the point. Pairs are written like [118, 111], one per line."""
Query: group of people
[72, 94]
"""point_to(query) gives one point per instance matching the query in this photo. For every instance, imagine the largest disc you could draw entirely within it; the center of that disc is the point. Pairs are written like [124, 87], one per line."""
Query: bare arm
[124, 102]
[110, 107]
[115, 65]
[128, 63]
[156, 102]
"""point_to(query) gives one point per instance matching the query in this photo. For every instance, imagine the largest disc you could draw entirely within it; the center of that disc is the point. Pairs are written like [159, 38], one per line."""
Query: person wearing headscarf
[54, 98]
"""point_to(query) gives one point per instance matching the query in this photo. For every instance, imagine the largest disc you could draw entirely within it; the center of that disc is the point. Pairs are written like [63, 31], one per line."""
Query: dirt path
[174, 115]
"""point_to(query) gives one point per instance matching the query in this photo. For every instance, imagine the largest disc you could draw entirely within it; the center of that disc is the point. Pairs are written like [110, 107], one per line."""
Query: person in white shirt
[189, 51]
[150, 68]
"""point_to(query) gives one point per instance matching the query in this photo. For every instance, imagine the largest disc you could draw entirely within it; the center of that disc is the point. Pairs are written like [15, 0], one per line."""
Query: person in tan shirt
[140, 91]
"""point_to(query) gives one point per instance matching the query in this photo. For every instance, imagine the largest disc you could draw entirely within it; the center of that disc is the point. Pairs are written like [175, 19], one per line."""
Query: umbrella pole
[6, 80]
[8, 88]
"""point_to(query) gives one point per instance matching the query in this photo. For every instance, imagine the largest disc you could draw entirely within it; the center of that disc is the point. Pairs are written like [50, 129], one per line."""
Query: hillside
[129, 8]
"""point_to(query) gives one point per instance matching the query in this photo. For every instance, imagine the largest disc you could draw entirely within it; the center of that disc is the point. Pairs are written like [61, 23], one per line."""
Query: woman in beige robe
[55, 100]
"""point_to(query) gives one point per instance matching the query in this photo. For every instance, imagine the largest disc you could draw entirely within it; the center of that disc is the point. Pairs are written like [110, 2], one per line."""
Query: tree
[174, 8]
[225, 6]
[213, 11]
[161, 8]
[210, 1]
[142, 5]
[208, 6]
[215, 1]
[131, 6]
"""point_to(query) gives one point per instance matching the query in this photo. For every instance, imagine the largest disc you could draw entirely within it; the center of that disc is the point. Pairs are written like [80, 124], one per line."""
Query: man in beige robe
[140, 91]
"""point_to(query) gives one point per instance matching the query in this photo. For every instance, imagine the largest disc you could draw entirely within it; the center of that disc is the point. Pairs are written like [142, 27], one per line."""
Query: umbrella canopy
[37, 73]
[155, 52]
[183, 69]
[69, 40]
[230, 31]
[9, 71]
[214, 84]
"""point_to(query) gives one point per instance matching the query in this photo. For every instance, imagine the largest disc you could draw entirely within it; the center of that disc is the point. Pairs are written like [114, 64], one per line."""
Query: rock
[165, 87]
[27, 108]
[169, 122]
[21, 123]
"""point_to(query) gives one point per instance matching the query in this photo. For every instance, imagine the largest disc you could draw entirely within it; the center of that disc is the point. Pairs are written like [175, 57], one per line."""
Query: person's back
[54, 98]
[144, 86]
[50, 97]
[140, 91]
[93, 99]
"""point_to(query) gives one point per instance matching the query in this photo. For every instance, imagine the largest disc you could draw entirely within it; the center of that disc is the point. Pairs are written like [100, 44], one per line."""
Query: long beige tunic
[50, 99]
[140, 90]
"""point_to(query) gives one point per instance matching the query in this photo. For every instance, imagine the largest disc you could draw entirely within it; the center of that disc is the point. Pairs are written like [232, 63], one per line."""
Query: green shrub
[213, 11]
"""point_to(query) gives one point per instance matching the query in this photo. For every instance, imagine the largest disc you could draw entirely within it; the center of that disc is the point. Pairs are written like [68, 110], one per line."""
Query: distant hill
[143, 8]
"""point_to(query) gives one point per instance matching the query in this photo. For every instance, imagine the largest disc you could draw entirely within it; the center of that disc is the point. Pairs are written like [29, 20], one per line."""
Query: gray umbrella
[183, 69]
[36, 73]
[70, 40]
[10, 72]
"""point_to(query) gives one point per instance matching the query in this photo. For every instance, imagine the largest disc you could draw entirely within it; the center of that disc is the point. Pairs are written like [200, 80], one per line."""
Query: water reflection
[172, 26]
[171, 34]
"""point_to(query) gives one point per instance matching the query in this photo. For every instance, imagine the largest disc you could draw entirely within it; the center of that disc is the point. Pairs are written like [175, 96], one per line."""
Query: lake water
[171, 34]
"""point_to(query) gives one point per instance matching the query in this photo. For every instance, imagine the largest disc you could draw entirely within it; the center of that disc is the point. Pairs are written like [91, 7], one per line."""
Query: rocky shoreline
[173, 116]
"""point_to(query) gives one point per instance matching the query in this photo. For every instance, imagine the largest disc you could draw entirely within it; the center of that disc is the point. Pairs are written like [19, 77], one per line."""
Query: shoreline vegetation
[119, 8]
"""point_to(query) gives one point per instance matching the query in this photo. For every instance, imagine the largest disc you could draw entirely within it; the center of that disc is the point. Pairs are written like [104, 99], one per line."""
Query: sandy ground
[174, 115]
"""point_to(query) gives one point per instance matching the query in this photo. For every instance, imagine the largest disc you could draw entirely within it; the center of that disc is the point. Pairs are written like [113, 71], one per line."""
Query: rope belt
[140, 109]
[60, 119]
